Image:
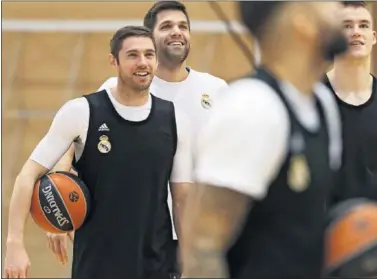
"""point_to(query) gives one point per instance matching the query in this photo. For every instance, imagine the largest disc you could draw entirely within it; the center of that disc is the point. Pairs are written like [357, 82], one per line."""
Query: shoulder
[250, 108]
[160, 100]
[75, 106]
[254, 98]
[73, 111]
[209, 79]
[333, 119]
[325, 94]
[110, 82]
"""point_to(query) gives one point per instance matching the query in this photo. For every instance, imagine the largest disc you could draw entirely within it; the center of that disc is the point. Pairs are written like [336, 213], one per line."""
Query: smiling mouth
[175, 44]
[141, 74]
[356, 43]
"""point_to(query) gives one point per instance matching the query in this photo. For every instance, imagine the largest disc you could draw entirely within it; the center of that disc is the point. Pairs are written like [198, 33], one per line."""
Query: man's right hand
[17, 261]
[58, 245]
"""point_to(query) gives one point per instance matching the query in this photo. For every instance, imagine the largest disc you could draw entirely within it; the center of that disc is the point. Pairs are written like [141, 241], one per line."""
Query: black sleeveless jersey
[126, 166]
[283, 236]
[358, 175]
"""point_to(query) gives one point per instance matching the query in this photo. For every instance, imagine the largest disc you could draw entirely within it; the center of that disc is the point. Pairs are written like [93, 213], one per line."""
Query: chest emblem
[104, 145]
[206, 101]
[298, 173]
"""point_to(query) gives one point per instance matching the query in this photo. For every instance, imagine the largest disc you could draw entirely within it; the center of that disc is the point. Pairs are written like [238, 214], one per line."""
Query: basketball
[60, 202]
[351, 239]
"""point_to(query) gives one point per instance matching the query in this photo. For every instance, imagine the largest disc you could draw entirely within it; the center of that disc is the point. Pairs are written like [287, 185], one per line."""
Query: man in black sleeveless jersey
[129, 144]
[268, 155]
[355, 90]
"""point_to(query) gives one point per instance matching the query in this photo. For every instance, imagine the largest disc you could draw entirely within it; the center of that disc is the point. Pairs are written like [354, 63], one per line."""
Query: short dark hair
[355, 4]
[256, 15]
[127, 32]
[150, 18]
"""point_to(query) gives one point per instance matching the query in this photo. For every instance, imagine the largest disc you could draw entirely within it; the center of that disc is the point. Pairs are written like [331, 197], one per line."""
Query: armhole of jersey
[75, 164]
[174, 124]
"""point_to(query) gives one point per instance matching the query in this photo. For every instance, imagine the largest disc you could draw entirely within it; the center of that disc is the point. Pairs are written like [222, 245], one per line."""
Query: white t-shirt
[245, 140]
[72, 121]
[195, 96]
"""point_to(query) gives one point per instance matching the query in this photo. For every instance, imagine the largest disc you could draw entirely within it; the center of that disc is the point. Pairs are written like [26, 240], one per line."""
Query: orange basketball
[60, 202]
[351, 239]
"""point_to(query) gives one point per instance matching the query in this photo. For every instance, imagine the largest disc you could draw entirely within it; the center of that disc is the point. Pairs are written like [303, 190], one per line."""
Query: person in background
[355, 90]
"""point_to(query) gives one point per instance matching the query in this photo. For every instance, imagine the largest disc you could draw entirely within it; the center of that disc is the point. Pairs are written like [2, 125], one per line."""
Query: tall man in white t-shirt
[192, 91]
[149, 138]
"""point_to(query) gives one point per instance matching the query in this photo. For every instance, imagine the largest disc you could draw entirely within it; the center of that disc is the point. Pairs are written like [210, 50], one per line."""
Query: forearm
[19, 207]
[214, 217]
[177, 218]
[71, 235]
[200, 262]
[180, 193]
[204, 248]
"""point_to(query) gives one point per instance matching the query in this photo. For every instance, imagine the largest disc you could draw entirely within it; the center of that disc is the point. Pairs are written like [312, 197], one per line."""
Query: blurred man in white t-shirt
[191, 91]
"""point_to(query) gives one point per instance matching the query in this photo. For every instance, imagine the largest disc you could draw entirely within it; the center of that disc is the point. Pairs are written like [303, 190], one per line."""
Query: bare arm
[179, 192]
[64, 129]
[181, 176]
[214, 218]
[21, 199]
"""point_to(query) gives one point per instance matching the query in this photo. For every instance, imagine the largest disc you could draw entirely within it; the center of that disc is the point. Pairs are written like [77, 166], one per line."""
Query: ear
[303, 25]
[374, 38]
[113, 60]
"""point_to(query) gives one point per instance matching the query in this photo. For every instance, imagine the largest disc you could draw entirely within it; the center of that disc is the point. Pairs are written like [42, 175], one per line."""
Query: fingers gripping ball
[351, 240]
[60, 202]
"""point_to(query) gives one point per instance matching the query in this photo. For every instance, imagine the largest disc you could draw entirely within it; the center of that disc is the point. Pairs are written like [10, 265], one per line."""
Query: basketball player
[192, 91]
[355, 90]
[268, 154]
[128, 230]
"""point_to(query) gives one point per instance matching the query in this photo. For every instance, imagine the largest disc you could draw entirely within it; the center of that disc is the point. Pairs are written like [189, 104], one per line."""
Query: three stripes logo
[103, 128]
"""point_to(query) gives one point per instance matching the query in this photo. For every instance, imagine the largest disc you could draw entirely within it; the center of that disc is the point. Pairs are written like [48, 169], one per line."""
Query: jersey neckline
[361, 106]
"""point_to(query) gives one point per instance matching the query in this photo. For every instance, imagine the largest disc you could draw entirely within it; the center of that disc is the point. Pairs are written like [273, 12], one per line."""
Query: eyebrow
[137, 51]
[361, 21]
[170, 21]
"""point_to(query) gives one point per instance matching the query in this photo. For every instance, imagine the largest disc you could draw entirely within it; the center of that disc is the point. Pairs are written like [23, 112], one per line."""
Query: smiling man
[191, 91]
[128, 230]
[355, 89]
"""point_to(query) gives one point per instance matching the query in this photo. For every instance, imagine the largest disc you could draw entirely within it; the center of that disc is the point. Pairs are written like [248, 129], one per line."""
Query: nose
[176, 31]
[356, 31]
[142, 61]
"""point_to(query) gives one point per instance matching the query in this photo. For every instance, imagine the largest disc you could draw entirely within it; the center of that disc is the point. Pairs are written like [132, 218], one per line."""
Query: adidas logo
[103, 127]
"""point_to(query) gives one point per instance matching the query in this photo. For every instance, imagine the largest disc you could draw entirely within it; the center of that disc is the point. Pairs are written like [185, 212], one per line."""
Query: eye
[364, 25]
[165, 27]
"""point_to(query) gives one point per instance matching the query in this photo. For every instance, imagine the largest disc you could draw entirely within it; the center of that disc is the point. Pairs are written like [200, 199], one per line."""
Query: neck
[301, 72]
[128, 96]
[172, 73]
[359, 70]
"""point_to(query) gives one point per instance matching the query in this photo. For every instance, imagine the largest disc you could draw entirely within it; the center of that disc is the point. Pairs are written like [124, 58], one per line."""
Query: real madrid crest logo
[104, 146]
[298, 173]
[206, 101]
